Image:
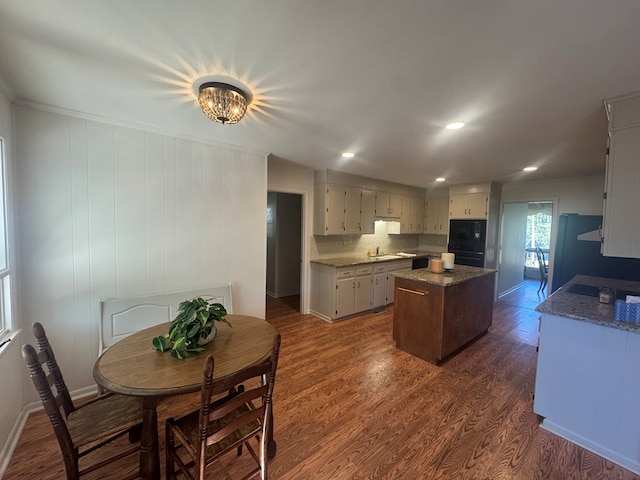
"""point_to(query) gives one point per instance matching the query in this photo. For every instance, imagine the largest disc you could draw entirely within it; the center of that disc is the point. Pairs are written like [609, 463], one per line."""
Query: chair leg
[169, 448]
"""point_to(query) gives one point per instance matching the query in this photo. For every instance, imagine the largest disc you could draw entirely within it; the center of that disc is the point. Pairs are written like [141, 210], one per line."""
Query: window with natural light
[5, 270]
[538, 233]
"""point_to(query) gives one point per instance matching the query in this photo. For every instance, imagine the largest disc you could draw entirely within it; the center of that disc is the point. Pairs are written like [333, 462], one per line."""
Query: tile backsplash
[355, 245]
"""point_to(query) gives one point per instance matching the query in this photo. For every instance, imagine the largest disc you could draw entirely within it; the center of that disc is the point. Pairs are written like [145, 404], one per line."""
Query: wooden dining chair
[242, 417]
[544, 269]
[84, 429]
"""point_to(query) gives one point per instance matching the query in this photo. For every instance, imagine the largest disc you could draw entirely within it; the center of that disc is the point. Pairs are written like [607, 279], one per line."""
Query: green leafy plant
[194, 321]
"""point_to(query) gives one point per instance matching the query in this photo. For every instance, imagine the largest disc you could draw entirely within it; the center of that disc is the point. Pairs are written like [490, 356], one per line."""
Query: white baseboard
[18, 426]
[623, 461]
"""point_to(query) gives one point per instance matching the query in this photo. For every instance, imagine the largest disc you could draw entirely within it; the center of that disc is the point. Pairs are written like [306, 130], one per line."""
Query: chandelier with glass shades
[222, 103]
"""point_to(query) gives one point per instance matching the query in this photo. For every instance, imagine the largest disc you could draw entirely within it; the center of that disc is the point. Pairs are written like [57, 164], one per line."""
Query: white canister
[449, 260]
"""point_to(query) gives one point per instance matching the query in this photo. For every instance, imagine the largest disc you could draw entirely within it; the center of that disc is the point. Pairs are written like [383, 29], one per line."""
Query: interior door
[512, 246]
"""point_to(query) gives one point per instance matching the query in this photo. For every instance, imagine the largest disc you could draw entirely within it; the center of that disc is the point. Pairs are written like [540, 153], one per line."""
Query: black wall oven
[467, 241]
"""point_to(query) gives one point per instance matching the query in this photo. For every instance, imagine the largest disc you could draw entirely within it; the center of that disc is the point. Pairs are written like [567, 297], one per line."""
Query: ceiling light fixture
[440, 179]
[530, 169]
[348, 154]
[455, 125]
[222, 103]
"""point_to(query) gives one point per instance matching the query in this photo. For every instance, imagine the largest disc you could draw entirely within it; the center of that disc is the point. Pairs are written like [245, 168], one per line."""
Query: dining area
[153, 406]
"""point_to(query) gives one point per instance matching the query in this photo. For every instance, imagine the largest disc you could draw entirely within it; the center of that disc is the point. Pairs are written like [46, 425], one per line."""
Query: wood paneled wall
[106, 211]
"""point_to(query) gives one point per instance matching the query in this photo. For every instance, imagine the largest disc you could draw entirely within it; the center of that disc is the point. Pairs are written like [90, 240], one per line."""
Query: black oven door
[473, 259]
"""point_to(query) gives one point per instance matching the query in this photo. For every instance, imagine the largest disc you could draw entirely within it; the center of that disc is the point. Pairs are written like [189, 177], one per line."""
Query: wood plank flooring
[349, 405]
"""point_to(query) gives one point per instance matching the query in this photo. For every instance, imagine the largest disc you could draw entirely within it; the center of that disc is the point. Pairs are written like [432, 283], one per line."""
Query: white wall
[11, 365]
[107, 211]
[574, 195]
[288, 177]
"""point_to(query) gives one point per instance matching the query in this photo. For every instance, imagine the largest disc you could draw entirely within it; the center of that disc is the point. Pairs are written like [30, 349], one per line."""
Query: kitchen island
[435, 314]
[587, 379]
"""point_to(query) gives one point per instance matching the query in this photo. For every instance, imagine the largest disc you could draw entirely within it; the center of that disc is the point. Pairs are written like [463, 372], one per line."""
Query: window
[538, 232]
[5, 270]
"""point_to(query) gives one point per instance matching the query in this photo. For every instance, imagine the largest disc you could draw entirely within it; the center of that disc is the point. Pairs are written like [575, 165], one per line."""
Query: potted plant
[193, 327]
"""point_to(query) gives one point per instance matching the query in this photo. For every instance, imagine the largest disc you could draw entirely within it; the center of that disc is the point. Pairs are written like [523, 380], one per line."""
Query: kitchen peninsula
[435, 314]
[587, 381]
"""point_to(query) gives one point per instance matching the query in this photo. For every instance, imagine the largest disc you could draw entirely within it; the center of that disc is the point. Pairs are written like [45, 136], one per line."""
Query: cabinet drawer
[345, 272]
[380, 269]
[364, 270]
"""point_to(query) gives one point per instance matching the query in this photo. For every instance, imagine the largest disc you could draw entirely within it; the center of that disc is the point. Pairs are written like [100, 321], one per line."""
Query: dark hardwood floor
[349, 405]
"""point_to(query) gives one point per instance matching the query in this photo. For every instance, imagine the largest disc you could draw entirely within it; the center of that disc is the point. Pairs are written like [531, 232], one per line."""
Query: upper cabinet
[469, 206]
[346, 204]
[412, 216]
[436, 219]
[621, 229]
[340, 210]
[388, 205]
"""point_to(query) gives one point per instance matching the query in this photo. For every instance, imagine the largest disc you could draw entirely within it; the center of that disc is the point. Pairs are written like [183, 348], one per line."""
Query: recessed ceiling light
[455, 125]
[530, 169]
[440, 179]
[348, 154]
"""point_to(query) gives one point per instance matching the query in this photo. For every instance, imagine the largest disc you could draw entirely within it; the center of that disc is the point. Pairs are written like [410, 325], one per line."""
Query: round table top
[133, 367]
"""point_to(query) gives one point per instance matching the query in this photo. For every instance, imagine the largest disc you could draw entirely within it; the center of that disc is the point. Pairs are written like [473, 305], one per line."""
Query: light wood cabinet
[436, 216]
[469, 206]
[388, 205]
[621, 223]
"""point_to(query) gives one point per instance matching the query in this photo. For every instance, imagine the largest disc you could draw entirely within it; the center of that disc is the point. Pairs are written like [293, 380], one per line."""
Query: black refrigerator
[578, 252]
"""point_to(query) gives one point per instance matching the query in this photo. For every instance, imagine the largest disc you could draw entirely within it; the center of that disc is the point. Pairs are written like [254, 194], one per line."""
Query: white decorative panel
[107, 211]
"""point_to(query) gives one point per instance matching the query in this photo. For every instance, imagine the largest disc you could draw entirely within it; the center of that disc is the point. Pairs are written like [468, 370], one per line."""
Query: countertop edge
[585, 308]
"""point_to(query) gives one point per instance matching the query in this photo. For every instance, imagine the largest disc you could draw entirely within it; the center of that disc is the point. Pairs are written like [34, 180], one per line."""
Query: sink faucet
[377, 251]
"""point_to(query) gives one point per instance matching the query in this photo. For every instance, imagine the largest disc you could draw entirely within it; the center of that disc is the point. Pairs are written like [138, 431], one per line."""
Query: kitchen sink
[388, 257]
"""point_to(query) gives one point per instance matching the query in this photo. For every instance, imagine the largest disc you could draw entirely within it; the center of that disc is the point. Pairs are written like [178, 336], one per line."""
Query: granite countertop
[459, 274]
[585, 307]
[363, 259]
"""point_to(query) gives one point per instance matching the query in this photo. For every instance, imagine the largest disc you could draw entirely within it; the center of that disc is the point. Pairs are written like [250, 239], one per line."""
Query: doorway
[284, 247]
[525, 227]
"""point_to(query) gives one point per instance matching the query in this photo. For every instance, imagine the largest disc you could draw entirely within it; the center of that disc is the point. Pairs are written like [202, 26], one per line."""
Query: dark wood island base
[437, 314]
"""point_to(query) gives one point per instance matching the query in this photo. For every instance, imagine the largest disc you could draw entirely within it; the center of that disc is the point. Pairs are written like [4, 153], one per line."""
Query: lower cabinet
[339, 292]
[379, 286]
[393, 267]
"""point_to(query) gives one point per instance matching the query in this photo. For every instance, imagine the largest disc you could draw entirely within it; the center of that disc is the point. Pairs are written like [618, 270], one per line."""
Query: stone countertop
[587, 308]
[461, 273]
[364, 260]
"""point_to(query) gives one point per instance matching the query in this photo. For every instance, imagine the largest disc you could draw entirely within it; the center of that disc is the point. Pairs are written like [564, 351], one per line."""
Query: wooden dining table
[133, 367]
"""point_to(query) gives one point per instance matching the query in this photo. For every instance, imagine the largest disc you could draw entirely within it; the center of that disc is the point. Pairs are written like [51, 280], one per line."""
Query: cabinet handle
[358, 284]
[353, 285]
[415, 292]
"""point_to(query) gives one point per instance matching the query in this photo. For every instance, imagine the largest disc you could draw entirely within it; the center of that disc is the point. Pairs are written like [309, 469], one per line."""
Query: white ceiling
[380, 78]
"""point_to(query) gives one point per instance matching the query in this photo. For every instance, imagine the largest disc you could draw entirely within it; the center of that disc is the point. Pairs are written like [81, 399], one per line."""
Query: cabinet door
[345, 296]
[395, 205]
[443, 217]
[621, 213]
[477, 205]
[335, 210]
[363, 292]
[458, 206]
[405, 217]
[419, 216]
[382, 204]
[367, 211]
[432, 212]
[380, 288]
[468, 205]
[352, 210]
